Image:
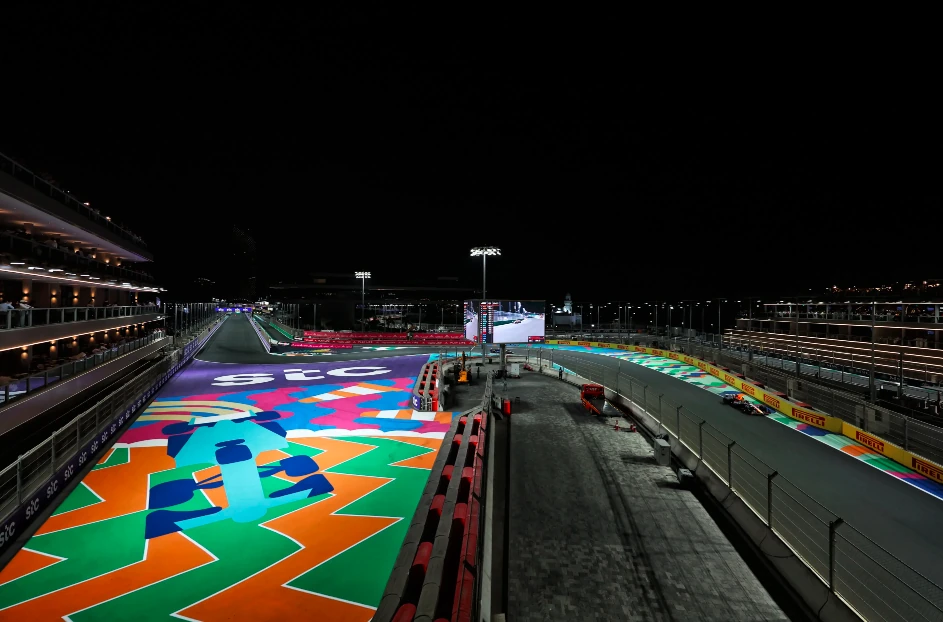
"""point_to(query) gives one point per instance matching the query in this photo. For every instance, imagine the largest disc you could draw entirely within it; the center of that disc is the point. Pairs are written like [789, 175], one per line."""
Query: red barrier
[321, 346]
[326, 343]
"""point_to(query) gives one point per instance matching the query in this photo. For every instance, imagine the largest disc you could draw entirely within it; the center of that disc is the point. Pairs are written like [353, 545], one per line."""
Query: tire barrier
[436, 576]
[426, 390]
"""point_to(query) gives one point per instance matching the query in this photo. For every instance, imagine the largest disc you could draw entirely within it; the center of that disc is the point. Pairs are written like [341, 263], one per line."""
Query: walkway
[598, 531]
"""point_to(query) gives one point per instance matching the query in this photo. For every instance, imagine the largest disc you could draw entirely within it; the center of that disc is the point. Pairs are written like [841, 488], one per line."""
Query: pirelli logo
[657, 352]
[730, 380]
[928, 469]
[623, 347]
[672, 355]
[804, 415]
[688, 360]
[639, 349]
[702, 365]
[715, 371]
[582, 343]
[772, 401]
[869, 441]
[748, 389]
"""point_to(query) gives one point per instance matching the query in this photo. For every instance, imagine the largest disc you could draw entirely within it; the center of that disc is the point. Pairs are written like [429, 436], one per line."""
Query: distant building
[568, 304]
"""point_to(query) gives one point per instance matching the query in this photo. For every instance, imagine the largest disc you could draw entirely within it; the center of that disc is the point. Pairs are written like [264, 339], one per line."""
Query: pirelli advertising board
[804, 414]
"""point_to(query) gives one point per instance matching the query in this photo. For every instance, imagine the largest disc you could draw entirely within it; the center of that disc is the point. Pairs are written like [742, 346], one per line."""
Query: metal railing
[23, 479]
[27, 318]
[870, 579]
[33, 382]
[11, 167]
[19, 247]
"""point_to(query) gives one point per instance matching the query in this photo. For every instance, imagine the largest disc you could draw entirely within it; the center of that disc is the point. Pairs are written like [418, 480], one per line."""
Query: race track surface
[237, 342]
[894, 514]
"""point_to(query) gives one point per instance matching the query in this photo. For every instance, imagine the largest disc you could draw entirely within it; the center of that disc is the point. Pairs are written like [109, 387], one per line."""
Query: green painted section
[90, 550]
[79, 498]
[361, 573]
[121, 455]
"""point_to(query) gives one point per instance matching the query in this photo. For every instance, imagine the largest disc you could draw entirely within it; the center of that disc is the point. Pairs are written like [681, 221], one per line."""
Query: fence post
[769, 498]
[831, 552]
[700, 440]
[19, 479]
[730, 464]
[660, 395]
[678, 419]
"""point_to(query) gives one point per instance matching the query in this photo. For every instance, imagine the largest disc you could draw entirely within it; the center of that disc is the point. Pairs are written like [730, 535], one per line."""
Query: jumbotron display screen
[505, 321]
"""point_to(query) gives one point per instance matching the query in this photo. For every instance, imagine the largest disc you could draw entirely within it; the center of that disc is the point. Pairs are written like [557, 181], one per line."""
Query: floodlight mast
[483, 252]
[363, 276]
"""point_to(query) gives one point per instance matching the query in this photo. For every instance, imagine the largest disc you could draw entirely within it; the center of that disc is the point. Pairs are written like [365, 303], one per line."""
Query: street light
[483, 252]
[363, 276]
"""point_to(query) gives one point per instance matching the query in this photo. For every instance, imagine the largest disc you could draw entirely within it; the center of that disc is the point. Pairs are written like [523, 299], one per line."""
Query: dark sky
[607, 156]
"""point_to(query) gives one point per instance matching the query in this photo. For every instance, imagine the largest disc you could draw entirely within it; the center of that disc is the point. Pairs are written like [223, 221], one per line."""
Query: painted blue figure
[232, 443]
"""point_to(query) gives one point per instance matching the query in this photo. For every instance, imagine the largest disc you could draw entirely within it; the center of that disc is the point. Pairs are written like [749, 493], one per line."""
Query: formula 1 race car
[740, 402]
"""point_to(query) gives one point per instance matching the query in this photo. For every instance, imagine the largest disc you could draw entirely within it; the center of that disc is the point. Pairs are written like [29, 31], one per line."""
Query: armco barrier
[266, 341]
[437, 574]
[799, 411]
[43, 472]
[842, 560]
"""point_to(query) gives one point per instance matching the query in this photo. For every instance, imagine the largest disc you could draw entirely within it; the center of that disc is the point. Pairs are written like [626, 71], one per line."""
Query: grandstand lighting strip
[23, 346]
[833, 356]
[810, 346]
[32, 275]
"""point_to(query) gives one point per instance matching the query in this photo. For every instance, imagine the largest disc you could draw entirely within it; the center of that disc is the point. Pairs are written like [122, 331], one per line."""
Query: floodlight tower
[483, 252]
[363, 276]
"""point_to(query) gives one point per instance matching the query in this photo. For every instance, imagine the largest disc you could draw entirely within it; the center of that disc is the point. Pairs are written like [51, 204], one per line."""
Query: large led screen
[504, 321]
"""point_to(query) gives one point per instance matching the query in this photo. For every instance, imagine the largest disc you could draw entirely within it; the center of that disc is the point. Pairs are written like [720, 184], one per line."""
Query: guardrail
[870, 579]
[263, 337]
[438, 573]
[26, 318]
[22, 387]
[33, 482]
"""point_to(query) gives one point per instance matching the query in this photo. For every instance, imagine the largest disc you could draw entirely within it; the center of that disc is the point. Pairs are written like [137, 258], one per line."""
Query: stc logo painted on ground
[234, 380]
[804, 415]
[869, 441]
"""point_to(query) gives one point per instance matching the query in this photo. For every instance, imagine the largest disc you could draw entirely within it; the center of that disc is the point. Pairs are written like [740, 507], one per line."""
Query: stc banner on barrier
[781, 404]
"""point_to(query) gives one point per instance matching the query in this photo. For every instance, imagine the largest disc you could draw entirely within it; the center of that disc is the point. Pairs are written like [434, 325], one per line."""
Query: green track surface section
[120, 455]
[356, 576]
[79, 498]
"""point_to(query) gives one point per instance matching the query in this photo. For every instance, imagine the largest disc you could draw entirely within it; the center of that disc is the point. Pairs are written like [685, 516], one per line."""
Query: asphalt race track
[237, 342]
[899, 517]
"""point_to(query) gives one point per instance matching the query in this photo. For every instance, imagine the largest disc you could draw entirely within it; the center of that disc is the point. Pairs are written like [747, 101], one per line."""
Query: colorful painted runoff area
[696, 376]
[259, 492]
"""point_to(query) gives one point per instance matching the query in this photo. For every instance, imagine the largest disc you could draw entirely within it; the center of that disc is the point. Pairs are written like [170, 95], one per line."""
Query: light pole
[483, 252]
[363, 276]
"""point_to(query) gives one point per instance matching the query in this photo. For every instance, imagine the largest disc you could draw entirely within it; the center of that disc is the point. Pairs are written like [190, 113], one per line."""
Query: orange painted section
[262, 596]
[25, 562]
[111, 485]
[335, 451]
[166, 556]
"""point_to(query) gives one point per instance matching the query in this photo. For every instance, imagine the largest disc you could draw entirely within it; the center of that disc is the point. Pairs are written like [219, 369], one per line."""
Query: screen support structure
[504, 360]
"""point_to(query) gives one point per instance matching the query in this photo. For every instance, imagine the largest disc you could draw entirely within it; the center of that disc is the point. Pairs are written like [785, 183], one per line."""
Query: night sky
[608, 163]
